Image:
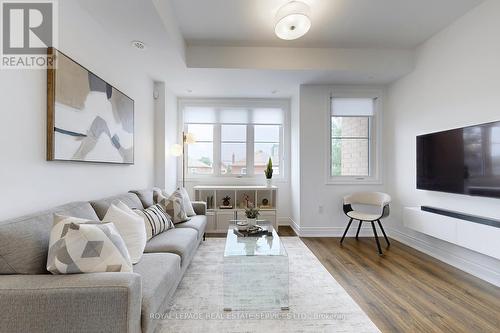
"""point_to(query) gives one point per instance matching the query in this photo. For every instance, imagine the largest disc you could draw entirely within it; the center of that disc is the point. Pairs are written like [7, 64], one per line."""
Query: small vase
[269, 182]
[251, 222]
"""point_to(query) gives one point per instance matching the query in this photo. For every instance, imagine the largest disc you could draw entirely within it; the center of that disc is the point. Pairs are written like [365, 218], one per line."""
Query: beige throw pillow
[188, 206]
[130, 226]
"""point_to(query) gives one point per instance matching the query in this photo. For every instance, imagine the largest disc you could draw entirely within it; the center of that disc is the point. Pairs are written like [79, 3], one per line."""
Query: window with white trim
[233, 139]
[353, 153]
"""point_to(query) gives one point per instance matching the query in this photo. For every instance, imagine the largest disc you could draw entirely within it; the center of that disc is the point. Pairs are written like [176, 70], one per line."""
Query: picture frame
[88, 119]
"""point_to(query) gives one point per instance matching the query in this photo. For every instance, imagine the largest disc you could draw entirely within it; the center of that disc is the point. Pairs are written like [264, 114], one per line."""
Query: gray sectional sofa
[33, 300]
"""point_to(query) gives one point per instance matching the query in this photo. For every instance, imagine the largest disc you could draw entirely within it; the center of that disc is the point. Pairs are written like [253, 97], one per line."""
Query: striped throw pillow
[155, 219]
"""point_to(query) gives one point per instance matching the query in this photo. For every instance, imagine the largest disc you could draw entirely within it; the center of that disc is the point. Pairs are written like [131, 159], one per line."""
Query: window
[200, 159]
[234, 139]
[233, 150]
[353, 151]
[267, 145]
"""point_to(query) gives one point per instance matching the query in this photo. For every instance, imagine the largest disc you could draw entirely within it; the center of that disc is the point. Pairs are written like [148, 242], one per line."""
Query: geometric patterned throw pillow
[174, 206]
[155, 219]
[83, 246]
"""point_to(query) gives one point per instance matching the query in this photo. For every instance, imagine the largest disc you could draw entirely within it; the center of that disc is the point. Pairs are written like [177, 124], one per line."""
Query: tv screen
[464, 160]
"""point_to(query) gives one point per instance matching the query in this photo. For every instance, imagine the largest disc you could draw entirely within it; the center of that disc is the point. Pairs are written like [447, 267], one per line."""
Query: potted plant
[269, 172]
[252, 214]
[226, 202]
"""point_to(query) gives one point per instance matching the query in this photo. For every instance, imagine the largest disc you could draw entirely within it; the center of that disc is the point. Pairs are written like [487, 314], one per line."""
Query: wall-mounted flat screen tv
[463, 160]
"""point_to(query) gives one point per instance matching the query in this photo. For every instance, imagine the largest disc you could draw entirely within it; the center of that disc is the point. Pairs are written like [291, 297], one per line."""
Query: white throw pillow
[174, 206]
[188, 206]
[131, 228]
[83, 246]
[155, 219]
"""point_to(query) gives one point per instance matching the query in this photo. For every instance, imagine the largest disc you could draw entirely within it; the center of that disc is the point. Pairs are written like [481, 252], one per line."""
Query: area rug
[317, 302]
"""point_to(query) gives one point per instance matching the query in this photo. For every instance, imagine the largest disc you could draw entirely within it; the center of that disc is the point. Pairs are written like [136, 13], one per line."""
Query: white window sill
[228, 179]
[353, 181]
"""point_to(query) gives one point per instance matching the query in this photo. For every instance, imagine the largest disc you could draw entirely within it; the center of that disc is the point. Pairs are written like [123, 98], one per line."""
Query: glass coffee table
[255, 271]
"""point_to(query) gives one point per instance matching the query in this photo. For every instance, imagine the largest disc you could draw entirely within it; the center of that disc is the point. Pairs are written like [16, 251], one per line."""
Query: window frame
[374, 131]
[221, 142]
[186, 166]
[249, 104]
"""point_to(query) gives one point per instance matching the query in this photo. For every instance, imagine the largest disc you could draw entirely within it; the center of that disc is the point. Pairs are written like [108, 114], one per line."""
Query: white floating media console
[218, 218]
[475, 236]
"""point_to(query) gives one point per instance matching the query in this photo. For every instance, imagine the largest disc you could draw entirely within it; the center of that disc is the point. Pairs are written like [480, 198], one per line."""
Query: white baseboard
[481, 271]
[336, 231]
[366, 231]
[294, 226]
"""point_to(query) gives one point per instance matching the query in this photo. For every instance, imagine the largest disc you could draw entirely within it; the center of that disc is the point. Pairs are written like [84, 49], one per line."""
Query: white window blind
[212, 115]
[199, 115]
[348, 107]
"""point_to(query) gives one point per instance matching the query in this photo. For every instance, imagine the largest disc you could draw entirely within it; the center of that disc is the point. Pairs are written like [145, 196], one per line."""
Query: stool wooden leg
[359, 227]
[385, 236]
[376, 238]
[345, 232]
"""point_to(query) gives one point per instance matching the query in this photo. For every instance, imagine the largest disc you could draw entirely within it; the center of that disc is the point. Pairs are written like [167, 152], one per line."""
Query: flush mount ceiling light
[292, 20]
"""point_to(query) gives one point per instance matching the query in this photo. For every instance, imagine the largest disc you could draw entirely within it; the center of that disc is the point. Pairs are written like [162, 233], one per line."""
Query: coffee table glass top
[254, 246]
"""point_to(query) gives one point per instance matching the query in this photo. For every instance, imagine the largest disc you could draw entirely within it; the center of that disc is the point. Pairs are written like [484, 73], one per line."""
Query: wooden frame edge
[51, 91]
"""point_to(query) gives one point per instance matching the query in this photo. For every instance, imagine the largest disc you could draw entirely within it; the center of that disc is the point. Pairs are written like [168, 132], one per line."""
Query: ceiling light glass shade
[292, 20]
[176, 150]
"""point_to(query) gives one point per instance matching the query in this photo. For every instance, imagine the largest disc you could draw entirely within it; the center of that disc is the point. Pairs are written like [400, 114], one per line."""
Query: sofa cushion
[182, 241]
[160, 273]
[101, 206]
[24, 241]
[146, 197]
[197, 222]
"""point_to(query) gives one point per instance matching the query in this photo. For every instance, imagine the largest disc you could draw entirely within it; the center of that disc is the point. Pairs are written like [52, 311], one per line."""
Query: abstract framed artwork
[88, 120]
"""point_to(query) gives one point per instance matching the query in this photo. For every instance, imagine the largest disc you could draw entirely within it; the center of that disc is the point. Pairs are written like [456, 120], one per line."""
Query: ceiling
[358, 25]
[335, 23]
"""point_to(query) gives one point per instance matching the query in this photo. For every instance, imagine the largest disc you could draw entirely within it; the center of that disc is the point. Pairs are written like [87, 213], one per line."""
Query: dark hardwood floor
[408, 291]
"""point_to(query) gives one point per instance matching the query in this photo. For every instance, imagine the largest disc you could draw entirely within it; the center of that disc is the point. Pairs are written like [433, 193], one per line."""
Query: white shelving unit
[218, 218]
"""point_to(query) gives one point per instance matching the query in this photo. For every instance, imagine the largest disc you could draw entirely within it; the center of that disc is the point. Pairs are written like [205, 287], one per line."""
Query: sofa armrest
[200, 207]
[96, 302]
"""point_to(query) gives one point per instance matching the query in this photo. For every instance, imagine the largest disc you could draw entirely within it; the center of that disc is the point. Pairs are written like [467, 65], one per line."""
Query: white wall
[160, 145]
[329, 220]
[28, 182]
[456, 83]
[295, 162]
[172, 137]
[165, 136]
